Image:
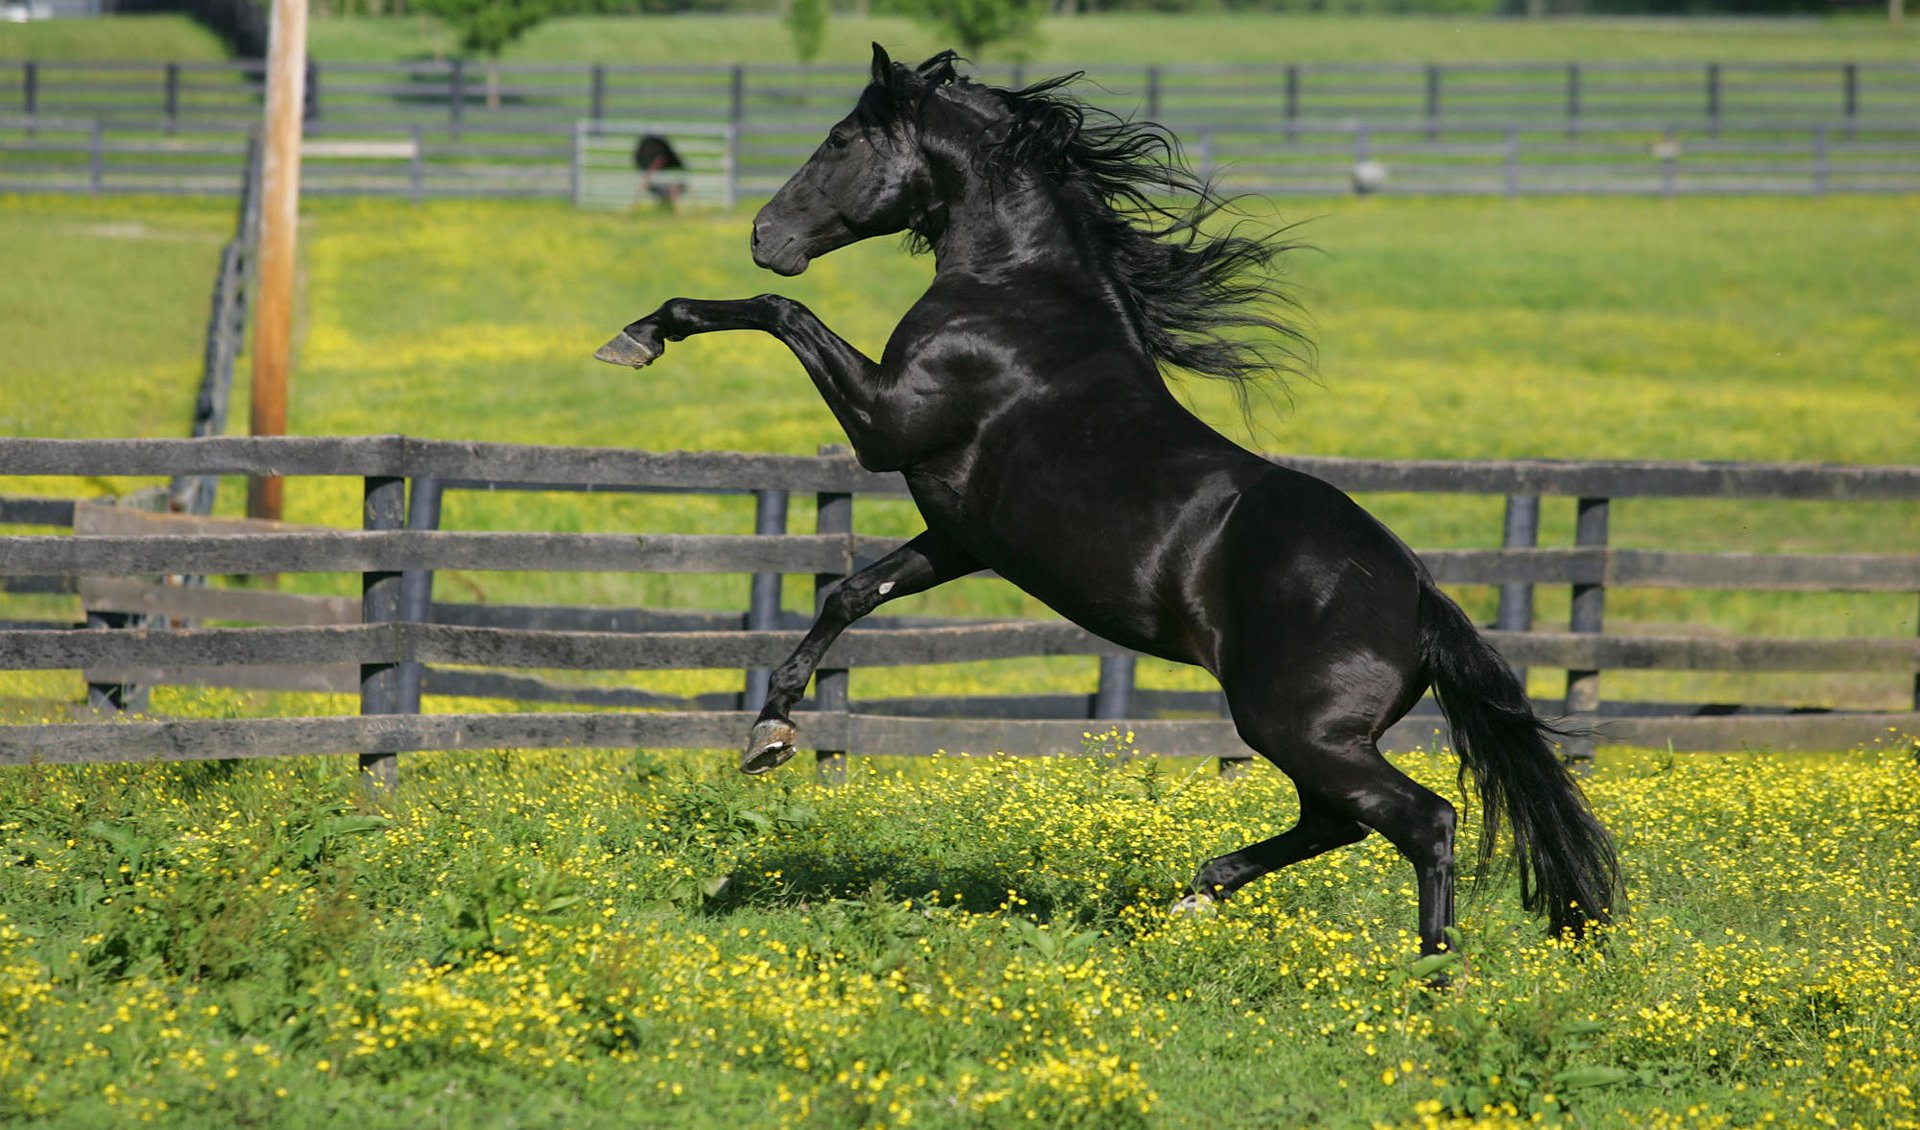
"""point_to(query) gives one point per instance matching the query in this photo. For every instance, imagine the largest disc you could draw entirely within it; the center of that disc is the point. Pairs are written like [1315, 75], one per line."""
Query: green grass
[167, 38]
[106, 305]
[1777, 329]
[612, 939]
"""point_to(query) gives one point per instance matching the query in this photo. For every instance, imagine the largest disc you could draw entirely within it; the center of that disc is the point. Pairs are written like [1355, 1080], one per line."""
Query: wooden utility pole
[279, 222]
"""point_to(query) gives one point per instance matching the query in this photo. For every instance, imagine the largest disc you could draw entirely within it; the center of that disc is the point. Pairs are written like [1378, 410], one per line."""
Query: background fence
[445, 128]
[395, 642]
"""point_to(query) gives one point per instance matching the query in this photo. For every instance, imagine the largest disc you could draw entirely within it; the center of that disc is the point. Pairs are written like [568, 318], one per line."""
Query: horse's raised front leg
[928, 560]
[841, 372]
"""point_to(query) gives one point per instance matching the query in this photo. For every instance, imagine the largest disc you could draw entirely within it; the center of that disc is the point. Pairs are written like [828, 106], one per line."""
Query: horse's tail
[1567, 864]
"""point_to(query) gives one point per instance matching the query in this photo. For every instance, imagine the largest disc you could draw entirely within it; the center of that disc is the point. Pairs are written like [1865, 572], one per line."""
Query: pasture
[637, 939]
[643, 937]
[1723, 329]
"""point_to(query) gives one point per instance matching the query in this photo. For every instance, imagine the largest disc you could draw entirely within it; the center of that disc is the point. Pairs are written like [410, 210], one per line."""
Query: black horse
[1023, 400]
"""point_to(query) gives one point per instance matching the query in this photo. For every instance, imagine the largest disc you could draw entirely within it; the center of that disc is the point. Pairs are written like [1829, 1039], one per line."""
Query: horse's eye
[838, 140]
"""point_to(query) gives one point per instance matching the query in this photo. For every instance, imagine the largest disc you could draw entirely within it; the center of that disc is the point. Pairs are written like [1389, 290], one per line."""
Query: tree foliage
[488, 26]
[806, 22]
[974, 24]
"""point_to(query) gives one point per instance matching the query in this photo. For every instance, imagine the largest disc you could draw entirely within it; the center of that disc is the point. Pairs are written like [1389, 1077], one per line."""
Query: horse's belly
[1096, 565]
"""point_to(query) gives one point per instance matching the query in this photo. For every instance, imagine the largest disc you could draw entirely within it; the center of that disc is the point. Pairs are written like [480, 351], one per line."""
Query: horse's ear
[882, 66]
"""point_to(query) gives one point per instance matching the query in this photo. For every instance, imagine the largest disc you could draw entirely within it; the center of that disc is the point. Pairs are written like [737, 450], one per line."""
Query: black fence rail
[396, 642]
[1419, 158]
[457, 96]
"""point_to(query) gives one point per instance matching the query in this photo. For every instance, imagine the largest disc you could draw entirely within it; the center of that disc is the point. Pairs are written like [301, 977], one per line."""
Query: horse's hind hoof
[1195, 903]
[768, 747]
[625, 349]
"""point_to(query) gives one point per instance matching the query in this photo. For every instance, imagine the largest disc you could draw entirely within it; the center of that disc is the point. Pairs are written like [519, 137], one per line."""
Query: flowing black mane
[1206, 302]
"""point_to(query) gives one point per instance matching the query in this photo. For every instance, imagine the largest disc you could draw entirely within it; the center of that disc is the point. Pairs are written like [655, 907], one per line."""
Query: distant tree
[806, 21]
[487, 27]
[973, 24]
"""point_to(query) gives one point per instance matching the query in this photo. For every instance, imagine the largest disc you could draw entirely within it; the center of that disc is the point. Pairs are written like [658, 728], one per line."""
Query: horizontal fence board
[391, 733]
[358, 550]
[108, 594]
[1807, 733]
[1630, 568]
[36, 511]
[337, 678]
[1657, 653]
[1623, 479]
[115, 742]
[613, 467]
[500, 647]
[354, 551]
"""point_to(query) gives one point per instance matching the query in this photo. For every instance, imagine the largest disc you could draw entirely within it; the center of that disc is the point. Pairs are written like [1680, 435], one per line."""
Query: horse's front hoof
[1195, 903]
[625, 349]
[768, 747]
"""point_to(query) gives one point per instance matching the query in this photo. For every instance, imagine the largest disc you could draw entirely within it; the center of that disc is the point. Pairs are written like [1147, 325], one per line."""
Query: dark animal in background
[1024, 400]
[652, 156]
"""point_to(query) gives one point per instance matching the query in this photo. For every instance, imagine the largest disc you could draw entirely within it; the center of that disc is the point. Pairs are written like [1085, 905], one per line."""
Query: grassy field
[610, 940]
[118, 37]
[599, 939]
[1213, 37]
[1744, 329]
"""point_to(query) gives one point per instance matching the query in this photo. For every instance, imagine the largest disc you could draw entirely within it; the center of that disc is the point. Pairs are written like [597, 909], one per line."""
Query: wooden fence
[1645, 158]
[457, 97]
[395, 643]
[430, 129]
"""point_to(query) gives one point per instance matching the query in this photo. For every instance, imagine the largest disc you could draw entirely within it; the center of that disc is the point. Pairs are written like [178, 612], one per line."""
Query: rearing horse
[1023, 400]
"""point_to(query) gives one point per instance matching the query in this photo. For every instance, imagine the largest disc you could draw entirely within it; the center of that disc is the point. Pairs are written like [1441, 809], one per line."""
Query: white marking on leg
[886, 587]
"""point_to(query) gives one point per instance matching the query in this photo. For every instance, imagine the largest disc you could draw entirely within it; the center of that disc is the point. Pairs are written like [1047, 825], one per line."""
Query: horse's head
[871, 176]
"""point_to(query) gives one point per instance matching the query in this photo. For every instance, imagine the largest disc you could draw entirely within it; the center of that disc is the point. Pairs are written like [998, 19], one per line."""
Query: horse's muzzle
[779, 254]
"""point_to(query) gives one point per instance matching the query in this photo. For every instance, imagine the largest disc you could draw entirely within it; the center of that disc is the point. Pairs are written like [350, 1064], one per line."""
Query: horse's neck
[1002, 234]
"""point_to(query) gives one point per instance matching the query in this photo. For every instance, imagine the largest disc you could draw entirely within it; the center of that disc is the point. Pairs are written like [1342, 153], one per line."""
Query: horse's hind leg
[1320, 829]
[1344, 776]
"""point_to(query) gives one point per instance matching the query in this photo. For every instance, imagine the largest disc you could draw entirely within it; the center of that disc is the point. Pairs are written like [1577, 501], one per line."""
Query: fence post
[1669, 162]
[1114, 699]
[733, 165]
[763, 599]
[172, 97]
[310, 109]
[383, 507]
[1206, 154]
[1821, 165]
[417, 165]
[30, 89]
[1522, 531]
[1850, 95]
[416, 589]
[1433, 101]
[96, 160]
[456, 96]
[1293, 94]
[1513, 161]
[1573, 100]
[1153, 93]
[597, 93]
[834, 515]
[737, 95]
[1589, 614]
[1713, 100]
